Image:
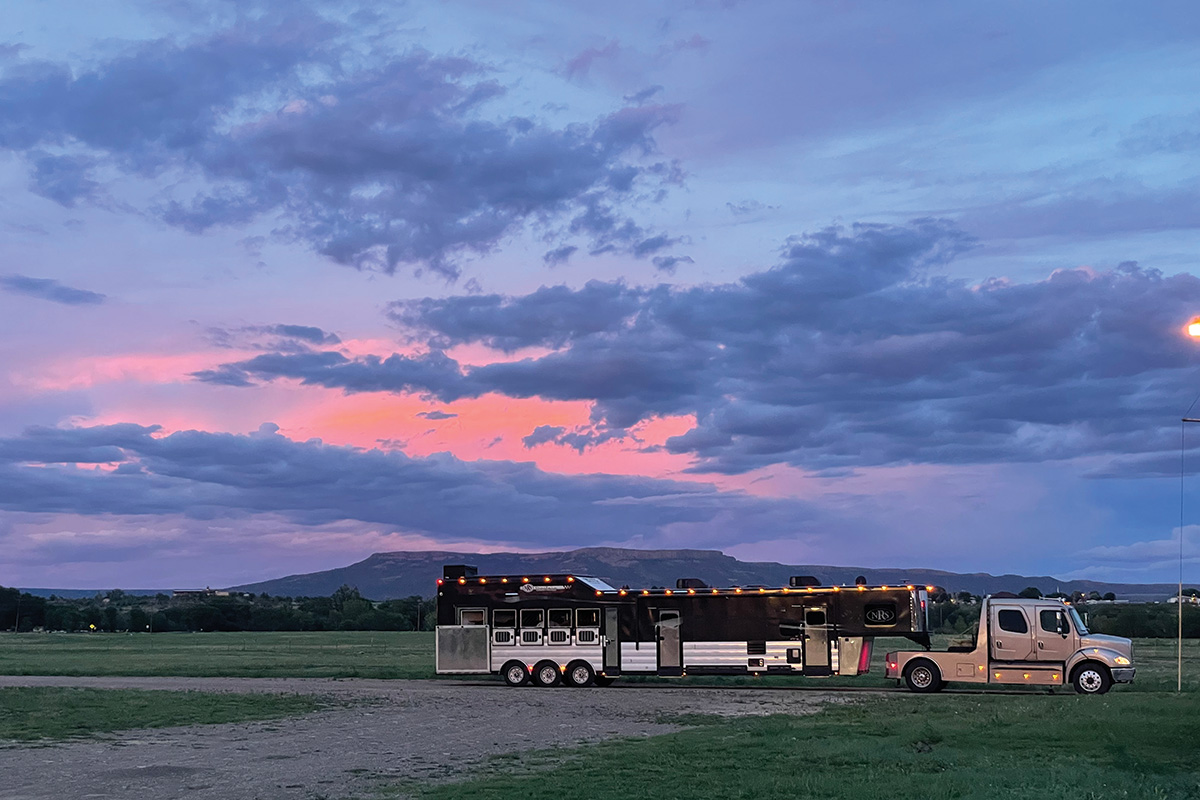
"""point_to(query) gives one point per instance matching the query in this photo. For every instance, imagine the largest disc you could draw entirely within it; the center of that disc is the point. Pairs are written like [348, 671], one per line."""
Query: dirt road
[381, 730]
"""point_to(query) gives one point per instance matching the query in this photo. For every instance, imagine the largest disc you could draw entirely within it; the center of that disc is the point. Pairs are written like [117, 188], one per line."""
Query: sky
[284, 284]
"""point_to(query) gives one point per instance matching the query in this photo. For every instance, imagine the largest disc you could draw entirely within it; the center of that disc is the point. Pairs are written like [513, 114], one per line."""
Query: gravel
[374, 732]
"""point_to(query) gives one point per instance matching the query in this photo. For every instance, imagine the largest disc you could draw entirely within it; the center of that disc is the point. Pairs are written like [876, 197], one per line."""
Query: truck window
[814, 618]
[1049, 618]
[504, 618]
[531, 618]
[559, 618]
[1012, 621]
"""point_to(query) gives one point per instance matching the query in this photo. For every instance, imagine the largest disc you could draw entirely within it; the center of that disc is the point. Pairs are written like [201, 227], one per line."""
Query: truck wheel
[602, 680]
[515, 673]
[1091, 678]
[923, 676]
[546, 674]
[579, 673]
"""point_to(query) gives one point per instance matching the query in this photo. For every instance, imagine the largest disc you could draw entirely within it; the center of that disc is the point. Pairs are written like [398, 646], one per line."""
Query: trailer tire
[546, 673]
[579, 673]
[515, 673]
[602, 680]
[1091, 677]
[923, 676]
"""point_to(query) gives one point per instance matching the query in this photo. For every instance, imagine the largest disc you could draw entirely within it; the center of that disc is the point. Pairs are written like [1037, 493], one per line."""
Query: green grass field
[989, 747]
[352, 654]
[33, 713]
[364, 654]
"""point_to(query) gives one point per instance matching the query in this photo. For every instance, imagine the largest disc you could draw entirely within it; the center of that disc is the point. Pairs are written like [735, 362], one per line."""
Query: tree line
[112, 611]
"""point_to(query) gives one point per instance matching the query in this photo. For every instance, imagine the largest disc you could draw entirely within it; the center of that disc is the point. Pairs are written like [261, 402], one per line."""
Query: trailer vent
[531, 637]
[756, 648]
[502, 637]
[559, 637]
[802, 581]
[585, 637]
[690, 583]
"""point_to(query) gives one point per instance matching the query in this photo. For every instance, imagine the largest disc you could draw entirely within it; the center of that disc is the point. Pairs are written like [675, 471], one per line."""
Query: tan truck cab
[1042, 642]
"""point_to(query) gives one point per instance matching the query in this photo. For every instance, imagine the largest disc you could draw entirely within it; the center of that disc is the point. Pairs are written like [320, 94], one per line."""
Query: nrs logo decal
[543, 587]
[881, 615]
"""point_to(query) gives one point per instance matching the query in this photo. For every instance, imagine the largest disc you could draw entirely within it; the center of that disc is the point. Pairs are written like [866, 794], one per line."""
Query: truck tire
[579, 673]
[515, 673]
[546, 673]
[1091, 677]
[923, 676]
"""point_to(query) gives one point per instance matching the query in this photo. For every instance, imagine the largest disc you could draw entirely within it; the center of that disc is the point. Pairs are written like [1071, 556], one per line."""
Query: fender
[1103, 655]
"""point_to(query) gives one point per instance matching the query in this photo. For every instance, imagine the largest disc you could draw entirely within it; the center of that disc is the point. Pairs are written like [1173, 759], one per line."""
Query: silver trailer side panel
[463, 650]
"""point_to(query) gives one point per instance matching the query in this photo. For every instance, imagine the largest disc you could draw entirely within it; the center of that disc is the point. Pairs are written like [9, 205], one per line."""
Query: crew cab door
[1012, 633]
[1056, 639]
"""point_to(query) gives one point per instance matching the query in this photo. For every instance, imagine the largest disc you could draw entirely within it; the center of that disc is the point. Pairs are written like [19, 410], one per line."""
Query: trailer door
[816, 641]
[612, 641]
[670, 647]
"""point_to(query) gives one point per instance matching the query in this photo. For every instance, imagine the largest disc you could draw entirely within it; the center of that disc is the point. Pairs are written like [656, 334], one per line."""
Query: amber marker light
[716, 591]
[739, 591]
[598, 593]
[929, 588]
[504, 580]
[645, 591]
[622, 593]
[546, 579]
[462, 580]
[483, 580]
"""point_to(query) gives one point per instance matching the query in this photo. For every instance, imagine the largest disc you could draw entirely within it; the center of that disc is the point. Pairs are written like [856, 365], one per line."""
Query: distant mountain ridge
[383, 576]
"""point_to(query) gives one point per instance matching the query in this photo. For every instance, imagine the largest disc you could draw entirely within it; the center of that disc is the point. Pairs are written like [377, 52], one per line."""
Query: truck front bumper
[1123, 675]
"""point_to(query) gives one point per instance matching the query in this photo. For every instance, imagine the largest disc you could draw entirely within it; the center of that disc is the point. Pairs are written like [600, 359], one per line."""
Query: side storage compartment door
[463, 650]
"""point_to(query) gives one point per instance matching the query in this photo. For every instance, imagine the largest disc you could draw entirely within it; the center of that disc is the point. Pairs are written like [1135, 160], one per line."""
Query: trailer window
[504, 618]
[1012, 621]
[560, 618]
[531, 618]
[587, 618]
[472, 616]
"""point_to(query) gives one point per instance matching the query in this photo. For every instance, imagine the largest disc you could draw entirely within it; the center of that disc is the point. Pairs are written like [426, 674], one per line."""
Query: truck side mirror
[1063, 628]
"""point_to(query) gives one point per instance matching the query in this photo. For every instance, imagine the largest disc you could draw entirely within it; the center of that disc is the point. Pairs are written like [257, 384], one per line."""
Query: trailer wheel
[546, 673]
[923, 676]
[1091, 678]
[579, 673]
[602, 680]
[515, 673]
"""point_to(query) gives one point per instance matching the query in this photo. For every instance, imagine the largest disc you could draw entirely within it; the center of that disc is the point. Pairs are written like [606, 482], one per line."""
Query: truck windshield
[1079, 626]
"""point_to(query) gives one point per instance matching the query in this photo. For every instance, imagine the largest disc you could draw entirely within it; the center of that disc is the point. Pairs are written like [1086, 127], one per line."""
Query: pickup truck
[1042, 642]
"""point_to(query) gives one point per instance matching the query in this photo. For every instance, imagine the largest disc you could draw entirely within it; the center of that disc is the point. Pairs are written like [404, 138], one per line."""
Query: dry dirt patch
[402, 730]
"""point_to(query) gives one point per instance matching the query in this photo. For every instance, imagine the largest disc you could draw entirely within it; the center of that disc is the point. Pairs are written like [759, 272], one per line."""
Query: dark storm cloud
[51, 290]
[374, 163]
[850, 352]
[207, 475]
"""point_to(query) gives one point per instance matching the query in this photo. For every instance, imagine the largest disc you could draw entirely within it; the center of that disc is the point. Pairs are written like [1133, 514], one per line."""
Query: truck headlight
[1121, 661]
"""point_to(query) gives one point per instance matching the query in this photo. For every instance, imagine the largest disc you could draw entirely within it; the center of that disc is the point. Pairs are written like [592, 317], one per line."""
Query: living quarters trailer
[580, 630]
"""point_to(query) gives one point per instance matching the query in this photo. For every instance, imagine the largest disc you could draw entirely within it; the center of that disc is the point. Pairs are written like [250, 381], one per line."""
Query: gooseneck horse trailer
[576, 629]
